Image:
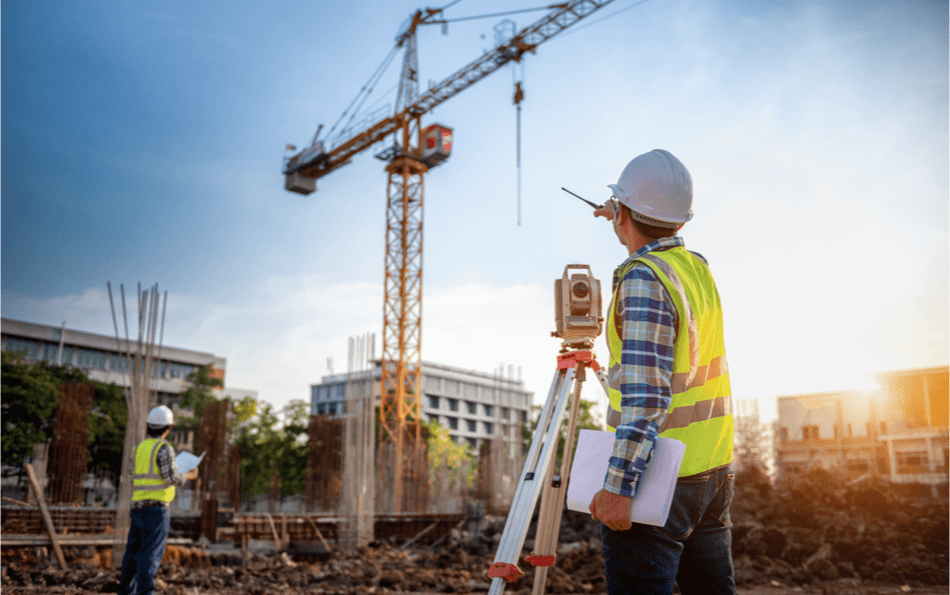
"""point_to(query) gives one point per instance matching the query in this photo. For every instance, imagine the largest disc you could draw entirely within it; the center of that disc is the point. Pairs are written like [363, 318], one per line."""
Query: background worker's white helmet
[657, 187]
[160, 416]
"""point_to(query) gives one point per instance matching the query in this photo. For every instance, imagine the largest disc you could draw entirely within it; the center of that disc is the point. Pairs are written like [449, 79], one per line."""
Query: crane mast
[400, 390]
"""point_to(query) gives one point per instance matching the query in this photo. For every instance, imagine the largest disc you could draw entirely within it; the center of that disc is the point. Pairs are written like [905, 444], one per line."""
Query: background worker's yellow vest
[147, 482]
[700, 413]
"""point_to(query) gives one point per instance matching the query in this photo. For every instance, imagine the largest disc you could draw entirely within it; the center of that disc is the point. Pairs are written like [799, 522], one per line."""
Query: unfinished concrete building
[899, 431]
[473, 406]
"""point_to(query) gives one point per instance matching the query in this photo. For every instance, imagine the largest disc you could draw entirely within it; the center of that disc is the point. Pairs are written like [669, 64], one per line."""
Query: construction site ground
[816, 536]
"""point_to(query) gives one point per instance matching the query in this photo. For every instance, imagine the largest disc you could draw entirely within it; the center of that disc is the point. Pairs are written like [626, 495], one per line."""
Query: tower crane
[414, 151]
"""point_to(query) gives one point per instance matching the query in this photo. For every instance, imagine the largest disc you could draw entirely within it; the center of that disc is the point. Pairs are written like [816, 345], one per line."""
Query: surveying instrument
[579, 321]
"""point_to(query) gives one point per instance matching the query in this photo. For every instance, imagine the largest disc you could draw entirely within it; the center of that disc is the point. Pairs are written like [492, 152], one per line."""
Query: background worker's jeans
[693, 548]
[148, 534]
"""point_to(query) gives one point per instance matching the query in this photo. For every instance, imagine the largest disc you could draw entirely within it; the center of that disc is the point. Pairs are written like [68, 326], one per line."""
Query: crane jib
[313, 162]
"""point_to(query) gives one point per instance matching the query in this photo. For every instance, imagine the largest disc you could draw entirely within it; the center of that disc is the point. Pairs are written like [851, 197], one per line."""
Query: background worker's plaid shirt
[647, 319]
[167, 468]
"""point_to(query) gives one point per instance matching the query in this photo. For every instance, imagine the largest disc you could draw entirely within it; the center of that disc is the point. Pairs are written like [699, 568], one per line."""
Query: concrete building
[99, 358]
[899, 432]
[473, 406]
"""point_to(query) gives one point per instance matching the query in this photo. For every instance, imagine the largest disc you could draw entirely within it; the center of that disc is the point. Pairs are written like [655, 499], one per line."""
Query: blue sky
[143, 142]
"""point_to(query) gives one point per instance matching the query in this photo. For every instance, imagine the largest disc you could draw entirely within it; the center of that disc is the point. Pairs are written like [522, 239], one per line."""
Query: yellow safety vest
[700, 413]
[147, 482]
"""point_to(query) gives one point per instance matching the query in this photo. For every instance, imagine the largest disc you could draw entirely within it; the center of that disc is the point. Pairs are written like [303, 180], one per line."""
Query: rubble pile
[815, 533]
[818, 528]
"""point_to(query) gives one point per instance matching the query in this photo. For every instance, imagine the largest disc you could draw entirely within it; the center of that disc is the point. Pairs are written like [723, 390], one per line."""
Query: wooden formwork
[79, 520]
[285, 528]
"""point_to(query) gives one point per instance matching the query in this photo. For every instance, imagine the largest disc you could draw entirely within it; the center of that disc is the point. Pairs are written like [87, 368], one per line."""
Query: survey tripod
[538, 477]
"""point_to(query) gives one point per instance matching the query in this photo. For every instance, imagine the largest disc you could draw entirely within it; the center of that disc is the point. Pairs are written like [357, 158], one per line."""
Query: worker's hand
[193, 474]
[605, 211]
[611, 510]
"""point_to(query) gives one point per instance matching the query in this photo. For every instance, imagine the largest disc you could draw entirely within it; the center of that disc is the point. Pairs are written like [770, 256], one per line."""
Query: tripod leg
[552, 502]
[531, 483]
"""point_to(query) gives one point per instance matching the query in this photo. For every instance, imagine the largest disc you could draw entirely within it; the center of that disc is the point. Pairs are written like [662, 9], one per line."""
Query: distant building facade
[99, 358]
[473, 406]
[900, 432]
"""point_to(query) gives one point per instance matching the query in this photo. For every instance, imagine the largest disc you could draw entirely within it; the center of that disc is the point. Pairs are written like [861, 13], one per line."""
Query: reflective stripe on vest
[700, 413]
[147, 482]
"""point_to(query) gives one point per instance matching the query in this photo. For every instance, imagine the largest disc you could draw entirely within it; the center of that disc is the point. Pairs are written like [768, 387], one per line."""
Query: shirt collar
[658, 244]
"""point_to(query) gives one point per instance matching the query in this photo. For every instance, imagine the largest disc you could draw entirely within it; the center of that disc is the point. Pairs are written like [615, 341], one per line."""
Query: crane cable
[370, 84]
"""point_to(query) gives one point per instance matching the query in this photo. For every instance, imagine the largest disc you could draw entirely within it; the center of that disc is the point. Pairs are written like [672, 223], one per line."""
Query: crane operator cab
[435, 144]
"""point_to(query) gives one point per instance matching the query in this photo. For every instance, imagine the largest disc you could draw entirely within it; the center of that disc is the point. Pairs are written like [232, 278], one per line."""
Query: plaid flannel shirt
[167, 468]
[647, 318]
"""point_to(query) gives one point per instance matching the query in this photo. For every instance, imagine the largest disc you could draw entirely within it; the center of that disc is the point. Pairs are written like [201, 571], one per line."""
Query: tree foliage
[444, 451]
[270, 442]
[107, 428]
[30, 394]
[199, 395]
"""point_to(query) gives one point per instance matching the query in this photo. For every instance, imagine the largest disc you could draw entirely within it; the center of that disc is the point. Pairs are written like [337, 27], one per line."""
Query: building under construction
[899, 432]
[474, 406]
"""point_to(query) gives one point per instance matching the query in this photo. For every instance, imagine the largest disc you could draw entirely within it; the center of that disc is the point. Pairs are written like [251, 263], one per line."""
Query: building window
[434, 419]
[453, 404]
[472, 442]
[321, 408]
[470, 424]
[434, 402]
[794, 467]
[180, 370]
[488, 428]
[810, 433]
[31, 348]
[504, 413]
[453, 423]
[470, 407]
[92, 359]
[51, 354]
[524, 417]
[116, 362]
[489, 410]
[911, 459]
[857, 466]
[331, 408]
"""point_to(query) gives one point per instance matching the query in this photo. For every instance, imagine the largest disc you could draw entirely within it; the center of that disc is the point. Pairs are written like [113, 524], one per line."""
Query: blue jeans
[693, 549]
[148, 535]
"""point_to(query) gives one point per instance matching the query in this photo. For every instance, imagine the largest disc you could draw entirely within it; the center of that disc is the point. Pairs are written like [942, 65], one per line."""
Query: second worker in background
[668, 377]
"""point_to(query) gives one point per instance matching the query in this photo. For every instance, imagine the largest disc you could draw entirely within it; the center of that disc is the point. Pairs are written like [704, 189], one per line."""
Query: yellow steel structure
[400, 401]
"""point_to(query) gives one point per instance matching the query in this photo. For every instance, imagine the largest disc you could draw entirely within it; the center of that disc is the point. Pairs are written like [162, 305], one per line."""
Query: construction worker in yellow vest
[668, 377]
[154, 477]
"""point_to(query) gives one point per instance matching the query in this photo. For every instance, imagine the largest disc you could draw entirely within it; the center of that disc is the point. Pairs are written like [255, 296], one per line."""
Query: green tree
[107, 428]
[30, 394]
[270, 442]
[444, 451]
[199, 395]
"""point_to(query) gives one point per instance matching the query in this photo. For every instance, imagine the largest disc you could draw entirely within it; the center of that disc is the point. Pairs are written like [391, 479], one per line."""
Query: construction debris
[816, 535]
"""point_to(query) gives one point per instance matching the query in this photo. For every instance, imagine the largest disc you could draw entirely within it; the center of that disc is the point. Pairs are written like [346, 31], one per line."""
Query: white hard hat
[657, 187]
[160, 416]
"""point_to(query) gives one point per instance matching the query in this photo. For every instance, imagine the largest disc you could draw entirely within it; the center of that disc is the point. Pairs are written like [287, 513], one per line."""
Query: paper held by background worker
[187, 461]
[651, 505]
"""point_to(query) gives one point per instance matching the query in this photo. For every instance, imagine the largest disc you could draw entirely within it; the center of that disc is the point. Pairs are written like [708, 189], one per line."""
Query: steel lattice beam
[400, 394]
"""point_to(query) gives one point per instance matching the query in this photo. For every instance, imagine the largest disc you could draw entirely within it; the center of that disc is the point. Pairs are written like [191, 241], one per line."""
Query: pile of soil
[813, 535]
